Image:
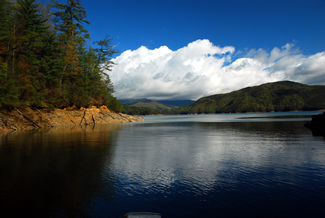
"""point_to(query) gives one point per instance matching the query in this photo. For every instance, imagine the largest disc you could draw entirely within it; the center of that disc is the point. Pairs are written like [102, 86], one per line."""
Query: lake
[225, 165]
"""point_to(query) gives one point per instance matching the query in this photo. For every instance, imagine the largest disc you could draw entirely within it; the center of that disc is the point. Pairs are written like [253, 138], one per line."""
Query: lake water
[225, 165]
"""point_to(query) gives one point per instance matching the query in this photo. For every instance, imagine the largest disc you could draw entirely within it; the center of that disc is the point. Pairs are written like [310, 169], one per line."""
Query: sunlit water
[257, 165]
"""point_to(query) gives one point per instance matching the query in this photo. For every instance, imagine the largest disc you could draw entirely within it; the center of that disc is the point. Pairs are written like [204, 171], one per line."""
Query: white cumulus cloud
[201, 69]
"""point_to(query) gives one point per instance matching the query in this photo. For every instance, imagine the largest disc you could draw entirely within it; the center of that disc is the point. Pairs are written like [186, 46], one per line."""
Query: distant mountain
[177, 103]
[168, 103]
[152, 104]
[149, 107]
[131, 101]
[133, 110]
[277, 96]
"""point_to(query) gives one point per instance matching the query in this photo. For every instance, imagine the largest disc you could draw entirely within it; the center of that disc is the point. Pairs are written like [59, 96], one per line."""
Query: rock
[73, 107]
[103, 108]
[12, 121]
[317, 124]
[93, 109]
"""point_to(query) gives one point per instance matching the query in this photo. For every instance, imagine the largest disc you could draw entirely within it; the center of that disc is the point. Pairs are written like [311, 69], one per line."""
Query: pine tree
[93, 82]
[8, 91]
[104, 53]
[68, 20]
[37, 54]
[49, 64]
[6, 21]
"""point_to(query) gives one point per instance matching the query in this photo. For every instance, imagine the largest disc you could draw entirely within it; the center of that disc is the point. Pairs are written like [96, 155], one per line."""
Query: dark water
[234, 165]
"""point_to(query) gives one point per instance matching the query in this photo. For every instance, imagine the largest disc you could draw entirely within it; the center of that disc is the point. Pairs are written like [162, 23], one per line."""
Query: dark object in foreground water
[142, 215]
[317, 124]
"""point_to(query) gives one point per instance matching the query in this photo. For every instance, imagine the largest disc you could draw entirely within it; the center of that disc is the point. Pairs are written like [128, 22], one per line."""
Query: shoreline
[26, 118]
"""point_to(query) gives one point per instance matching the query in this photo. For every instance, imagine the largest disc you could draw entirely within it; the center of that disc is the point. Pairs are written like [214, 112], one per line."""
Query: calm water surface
[265, 164]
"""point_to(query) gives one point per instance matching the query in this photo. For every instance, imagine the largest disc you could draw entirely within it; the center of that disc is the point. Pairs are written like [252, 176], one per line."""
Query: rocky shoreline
[28, 118]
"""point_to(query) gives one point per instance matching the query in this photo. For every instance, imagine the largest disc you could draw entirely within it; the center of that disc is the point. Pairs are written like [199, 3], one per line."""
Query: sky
[190, 49]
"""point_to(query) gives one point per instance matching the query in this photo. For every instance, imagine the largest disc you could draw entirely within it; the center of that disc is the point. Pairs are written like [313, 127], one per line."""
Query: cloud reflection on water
[201, 157]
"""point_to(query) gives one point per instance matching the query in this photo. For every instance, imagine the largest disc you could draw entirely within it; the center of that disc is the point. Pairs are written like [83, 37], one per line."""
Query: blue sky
[292, 30]
[244, 24]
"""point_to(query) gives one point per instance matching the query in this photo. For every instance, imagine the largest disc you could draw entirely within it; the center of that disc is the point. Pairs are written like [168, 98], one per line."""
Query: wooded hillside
[278, 96]
[47, 59]
[135, 110]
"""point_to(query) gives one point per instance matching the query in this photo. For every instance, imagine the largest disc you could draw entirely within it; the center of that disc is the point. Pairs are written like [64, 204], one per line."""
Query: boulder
[93, 109]
[73, 107]
[103, 108]
[317, 124]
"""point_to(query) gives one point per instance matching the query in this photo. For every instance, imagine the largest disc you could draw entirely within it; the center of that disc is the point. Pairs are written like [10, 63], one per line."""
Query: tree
[6, 23]
[93, 81]
[37, 54]
[8, 92]
[68, 19]
[6, 35]
[45, 60]
[115, 105]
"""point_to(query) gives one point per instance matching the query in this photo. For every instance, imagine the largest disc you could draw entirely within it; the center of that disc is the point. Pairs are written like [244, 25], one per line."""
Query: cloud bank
[202, 69]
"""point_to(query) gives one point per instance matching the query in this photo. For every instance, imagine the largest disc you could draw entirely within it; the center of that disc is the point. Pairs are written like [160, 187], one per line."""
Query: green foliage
[68, 20]
[115, 105]
[6, 23]
[278, 96]
[152, 104]
[134, 110]
[8, 92]
[45, 60]
[37, 51]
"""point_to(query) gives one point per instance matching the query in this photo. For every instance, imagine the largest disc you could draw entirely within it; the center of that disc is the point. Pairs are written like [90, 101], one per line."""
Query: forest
[47, 59]
[135, 110]
[277, 96]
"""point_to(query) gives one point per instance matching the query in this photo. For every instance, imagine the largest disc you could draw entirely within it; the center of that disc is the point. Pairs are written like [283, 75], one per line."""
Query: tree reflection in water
[55, 172]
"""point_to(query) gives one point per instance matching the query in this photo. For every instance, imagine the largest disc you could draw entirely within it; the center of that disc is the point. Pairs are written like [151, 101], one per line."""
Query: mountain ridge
[169, 103]
[276, 96]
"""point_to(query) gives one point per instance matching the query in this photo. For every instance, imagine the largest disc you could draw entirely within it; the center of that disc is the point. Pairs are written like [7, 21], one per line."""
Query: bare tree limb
[92, 116]
[71, 119]
[83, 118]
[35, 124]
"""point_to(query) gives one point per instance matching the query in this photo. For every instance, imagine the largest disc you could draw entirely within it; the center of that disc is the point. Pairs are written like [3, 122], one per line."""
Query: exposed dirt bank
[27, 118]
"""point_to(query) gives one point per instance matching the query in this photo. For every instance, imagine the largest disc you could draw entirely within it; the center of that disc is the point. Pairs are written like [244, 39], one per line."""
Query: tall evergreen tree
[104, 53]
[69, 19]
[93, 81]
[6, 21]
[36, 54]
[8, 90]
[47, 63]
